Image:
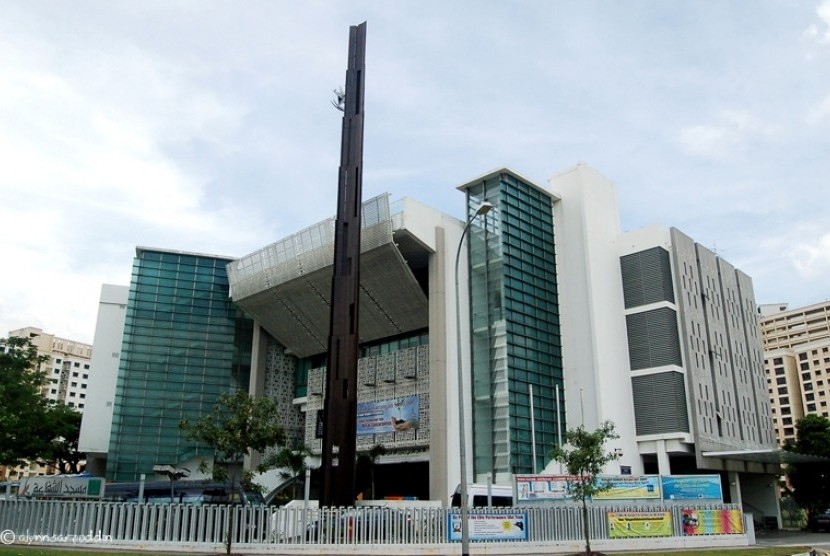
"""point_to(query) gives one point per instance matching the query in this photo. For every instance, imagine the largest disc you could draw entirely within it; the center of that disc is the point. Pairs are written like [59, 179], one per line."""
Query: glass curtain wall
[515, 328]
[184, 344]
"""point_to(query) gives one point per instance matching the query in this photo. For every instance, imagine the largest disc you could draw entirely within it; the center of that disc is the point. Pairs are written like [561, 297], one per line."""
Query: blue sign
[692, 487]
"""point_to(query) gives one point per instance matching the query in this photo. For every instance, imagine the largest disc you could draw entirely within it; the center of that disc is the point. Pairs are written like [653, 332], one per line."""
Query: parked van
[500, 496]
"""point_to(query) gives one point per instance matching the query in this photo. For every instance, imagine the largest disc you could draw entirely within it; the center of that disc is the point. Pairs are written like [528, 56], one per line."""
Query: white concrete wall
[96, 425]
[595, 345]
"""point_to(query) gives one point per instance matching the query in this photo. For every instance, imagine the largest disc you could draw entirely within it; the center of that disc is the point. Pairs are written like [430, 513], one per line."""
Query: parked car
[820, 522]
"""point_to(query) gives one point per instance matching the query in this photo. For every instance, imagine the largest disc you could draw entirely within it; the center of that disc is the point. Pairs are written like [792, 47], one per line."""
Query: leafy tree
[585, 457]
[22, 405]
[238, 426]
[810, 481]
[63, 426]
[370, 458]
[292, 461]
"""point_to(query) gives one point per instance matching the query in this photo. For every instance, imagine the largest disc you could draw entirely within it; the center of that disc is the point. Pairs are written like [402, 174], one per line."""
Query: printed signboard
[396, 414]
[691, 487]
[629, 487]
[639, 524]
[491, 526]
[712, 522]
[538, 488]
[56, 486]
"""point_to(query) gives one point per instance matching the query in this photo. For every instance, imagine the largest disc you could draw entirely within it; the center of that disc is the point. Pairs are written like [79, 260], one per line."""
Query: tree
[292, 461]
[238, 426]
[810, 481]
[63, 426]
[23, 407]
[371, 458]
[585, 457]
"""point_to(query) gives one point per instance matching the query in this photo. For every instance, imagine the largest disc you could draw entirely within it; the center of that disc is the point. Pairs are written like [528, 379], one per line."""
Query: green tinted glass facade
[515, 327]
[184, 344]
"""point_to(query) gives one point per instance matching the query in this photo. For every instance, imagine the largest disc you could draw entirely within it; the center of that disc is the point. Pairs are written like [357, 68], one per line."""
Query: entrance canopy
[775, 456]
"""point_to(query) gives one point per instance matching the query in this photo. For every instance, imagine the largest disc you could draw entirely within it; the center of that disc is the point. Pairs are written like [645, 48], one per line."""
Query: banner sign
[629, 487]
[490, 527]
[538, 488]
[396, 414]
[712, 522]
[692, 487]
[56, 486]
[639, 524]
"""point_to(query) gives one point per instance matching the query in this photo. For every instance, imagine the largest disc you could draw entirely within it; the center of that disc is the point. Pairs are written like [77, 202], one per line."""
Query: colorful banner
[639, 524]
[629, 487]
[538, 488]
[491, 526]
[397, 414]
[692, 487]
[712, 522]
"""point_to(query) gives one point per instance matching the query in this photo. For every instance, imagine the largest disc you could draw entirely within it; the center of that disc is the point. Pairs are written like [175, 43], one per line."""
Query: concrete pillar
[663, 462]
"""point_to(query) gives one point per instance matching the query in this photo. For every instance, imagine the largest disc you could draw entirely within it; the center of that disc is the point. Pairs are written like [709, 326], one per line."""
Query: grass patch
[22, 550]
[744, 551]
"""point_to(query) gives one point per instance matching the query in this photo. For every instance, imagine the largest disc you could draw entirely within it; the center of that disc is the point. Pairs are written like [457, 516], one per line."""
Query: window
[805, 366]
[810, 397]
[77, 364]
[779, 370]
[74, 384]
[74, 375]
[811, 407]
[783, 391]
[781, 380]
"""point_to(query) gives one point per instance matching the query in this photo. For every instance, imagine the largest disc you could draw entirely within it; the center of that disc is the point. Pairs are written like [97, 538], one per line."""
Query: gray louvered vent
[660, 403]
[646, 277]
[653, 340]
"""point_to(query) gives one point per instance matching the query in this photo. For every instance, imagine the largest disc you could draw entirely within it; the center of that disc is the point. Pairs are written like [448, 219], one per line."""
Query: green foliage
[292, 462]
[238, 426]
[585, 457]
[810, 481]
[63, 425]
[22, 406]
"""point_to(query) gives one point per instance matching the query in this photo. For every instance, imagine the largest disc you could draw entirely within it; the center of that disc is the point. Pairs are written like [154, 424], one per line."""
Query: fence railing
[210, 524]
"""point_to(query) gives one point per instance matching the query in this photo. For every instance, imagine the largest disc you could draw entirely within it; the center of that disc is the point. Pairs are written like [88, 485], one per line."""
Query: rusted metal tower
[340, 413]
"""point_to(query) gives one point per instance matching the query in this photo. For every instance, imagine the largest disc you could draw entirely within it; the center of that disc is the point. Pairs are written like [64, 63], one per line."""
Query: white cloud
[819, 112]
[820, 32]
[812, 258]
[723, 139]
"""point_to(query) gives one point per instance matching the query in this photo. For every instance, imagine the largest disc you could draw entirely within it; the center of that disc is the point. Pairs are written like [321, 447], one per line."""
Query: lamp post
[484, 208]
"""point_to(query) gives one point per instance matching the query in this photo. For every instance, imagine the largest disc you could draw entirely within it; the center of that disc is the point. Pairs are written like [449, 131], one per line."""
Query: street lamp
[484, 208]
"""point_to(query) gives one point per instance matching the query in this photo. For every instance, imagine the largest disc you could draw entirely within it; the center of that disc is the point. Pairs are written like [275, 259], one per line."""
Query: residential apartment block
[797, 363]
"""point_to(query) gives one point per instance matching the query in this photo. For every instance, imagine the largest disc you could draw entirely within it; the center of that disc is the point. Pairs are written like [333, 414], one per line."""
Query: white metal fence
[142, 524]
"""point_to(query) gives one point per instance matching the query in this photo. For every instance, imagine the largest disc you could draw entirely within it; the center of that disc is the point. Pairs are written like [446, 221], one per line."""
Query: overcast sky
[207, 126]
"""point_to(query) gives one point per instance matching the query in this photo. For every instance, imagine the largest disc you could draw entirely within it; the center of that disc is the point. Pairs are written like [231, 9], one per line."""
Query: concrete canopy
[286, 286]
